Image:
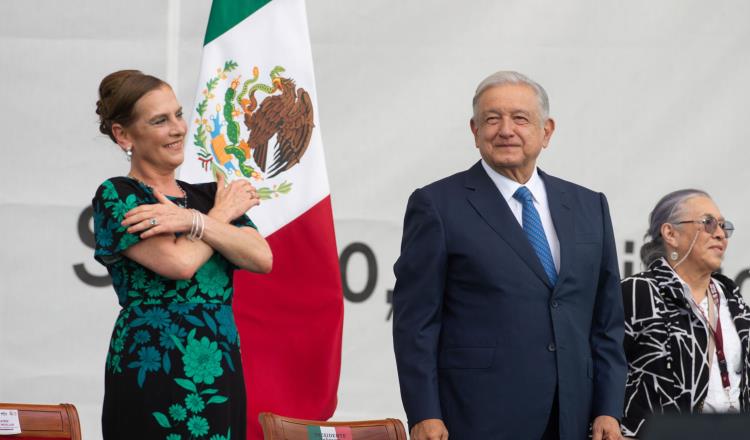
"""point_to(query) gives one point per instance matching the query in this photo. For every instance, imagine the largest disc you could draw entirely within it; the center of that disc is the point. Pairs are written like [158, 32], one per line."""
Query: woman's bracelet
[202, 227]
[198, 226]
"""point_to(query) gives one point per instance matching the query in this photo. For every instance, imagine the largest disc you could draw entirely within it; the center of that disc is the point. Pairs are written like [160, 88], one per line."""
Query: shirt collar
[508, 187]
[669, 281]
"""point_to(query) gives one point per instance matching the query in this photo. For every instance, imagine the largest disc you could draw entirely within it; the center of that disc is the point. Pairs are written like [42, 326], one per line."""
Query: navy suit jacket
[482, 339]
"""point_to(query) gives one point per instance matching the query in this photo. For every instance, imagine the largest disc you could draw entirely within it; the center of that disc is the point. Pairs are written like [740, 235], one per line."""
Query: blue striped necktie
[532, 225]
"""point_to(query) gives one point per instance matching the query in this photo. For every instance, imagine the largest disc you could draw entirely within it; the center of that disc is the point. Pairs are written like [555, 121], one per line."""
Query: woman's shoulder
[731, 289]
[641, 290]
[116, 187]
[725, 281]
[642, 297]
[646, 280]
[658, 276]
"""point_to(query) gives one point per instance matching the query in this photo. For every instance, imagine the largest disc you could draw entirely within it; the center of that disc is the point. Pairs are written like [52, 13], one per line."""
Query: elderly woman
[173, 370]
[686, 326]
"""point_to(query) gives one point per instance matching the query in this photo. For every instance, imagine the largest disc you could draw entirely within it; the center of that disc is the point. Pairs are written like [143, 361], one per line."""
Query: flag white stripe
[258, 39]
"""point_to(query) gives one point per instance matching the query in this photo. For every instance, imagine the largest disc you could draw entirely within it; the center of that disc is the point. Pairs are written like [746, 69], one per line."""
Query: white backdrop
[648, 97]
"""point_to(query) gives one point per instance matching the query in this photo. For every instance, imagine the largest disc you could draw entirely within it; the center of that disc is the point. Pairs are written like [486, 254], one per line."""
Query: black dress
[173, 370]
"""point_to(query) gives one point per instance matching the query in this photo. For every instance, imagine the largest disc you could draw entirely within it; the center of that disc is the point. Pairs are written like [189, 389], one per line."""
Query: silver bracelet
[202, 220]
[198, 226]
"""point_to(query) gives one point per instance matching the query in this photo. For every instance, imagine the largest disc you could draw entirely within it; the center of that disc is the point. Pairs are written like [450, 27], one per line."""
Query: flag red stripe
[290, 322]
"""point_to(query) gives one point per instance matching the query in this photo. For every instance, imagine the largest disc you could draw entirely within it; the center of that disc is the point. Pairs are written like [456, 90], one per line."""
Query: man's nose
[506, 128]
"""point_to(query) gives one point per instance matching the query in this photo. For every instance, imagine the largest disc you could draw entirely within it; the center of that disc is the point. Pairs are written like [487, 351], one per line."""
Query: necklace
[182, 190]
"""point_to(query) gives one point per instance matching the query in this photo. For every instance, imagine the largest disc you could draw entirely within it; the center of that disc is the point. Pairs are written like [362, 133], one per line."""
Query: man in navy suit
[508, 319]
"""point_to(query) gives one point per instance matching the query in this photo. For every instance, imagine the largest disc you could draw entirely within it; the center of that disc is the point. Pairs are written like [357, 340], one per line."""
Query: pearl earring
[129, 153]
[673, 255]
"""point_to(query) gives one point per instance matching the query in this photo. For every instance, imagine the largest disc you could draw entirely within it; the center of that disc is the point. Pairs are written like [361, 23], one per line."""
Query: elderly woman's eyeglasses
[710, 223]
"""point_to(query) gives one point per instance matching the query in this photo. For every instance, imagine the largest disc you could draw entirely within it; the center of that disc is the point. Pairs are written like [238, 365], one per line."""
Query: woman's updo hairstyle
[667, 210]
[118, 93]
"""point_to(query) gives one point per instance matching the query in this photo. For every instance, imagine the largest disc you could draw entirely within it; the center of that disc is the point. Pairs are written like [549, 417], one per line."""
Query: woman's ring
[153, 222]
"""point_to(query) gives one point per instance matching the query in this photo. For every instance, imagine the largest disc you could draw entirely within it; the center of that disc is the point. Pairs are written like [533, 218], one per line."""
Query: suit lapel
[486, 199]
[562, 217]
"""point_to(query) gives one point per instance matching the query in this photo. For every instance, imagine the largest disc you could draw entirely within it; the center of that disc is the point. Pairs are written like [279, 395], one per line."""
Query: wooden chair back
[46, 421]
[277, 427]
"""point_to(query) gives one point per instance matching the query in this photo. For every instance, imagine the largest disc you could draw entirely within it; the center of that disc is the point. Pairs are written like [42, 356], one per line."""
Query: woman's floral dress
[173, 370]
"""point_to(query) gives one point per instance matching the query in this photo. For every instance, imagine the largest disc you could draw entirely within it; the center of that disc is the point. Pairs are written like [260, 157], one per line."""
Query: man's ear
[474, 130]
[549, 128]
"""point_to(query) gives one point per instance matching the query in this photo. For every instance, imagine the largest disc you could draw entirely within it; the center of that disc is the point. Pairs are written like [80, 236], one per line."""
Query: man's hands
[429, 429]
[606, 428]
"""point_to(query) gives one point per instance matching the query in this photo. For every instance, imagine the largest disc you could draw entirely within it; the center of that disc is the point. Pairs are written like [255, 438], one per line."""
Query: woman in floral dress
[173, 370]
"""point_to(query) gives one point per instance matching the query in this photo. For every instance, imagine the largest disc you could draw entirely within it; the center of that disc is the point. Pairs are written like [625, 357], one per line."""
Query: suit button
[551, 346]
[554, 304]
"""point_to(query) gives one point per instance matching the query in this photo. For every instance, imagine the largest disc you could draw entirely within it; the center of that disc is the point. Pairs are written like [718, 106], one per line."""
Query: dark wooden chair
[277, 427]
[46, 421]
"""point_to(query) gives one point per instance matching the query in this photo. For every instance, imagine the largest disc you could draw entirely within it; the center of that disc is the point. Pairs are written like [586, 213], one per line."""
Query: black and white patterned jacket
[666, 343]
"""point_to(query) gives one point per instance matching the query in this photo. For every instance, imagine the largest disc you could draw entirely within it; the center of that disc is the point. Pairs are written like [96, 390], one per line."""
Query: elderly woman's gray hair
[509, 77]
[667, 210]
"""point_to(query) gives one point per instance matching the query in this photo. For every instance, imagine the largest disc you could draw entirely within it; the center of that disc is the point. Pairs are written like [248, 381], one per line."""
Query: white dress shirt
[716, 399]
[535, 185]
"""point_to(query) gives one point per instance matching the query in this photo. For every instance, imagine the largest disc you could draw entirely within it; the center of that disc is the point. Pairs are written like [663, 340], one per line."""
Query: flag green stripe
[227, 13]
[313, 433]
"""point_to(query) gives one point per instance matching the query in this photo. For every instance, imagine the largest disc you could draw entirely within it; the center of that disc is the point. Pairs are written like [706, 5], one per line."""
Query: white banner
[648, 97]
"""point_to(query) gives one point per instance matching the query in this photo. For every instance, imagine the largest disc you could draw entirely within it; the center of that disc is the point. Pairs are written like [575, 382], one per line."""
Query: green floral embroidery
[181, 308]
[194, 403]
[120, 208]
[104, 237]
[155, 287]
[109, 192]
[149, 360]
[166, 340]
[198, 426]
[177, 412]
[138, 279]
[119, 343]
[202, 360]
[126, 241]
[141, 337]
[113, 362]
[227, 327]
[121, 333]
[156, 317]
[212, 278]
[159, 321]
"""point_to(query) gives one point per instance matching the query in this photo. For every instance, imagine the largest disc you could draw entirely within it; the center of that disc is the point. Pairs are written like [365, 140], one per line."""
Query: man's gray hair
[667, 210]
[510, 77]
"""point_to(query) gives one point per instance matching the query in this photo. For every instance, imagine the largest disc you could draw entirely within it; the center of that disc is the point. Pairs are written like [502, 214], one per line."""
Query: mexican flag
[329, 433]
[255, 117]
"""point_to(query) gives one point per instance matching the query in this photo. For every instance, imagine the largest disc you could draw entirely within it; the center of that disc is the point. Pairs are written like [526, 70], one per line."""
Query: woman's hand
[234, 199]
[159, 218]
